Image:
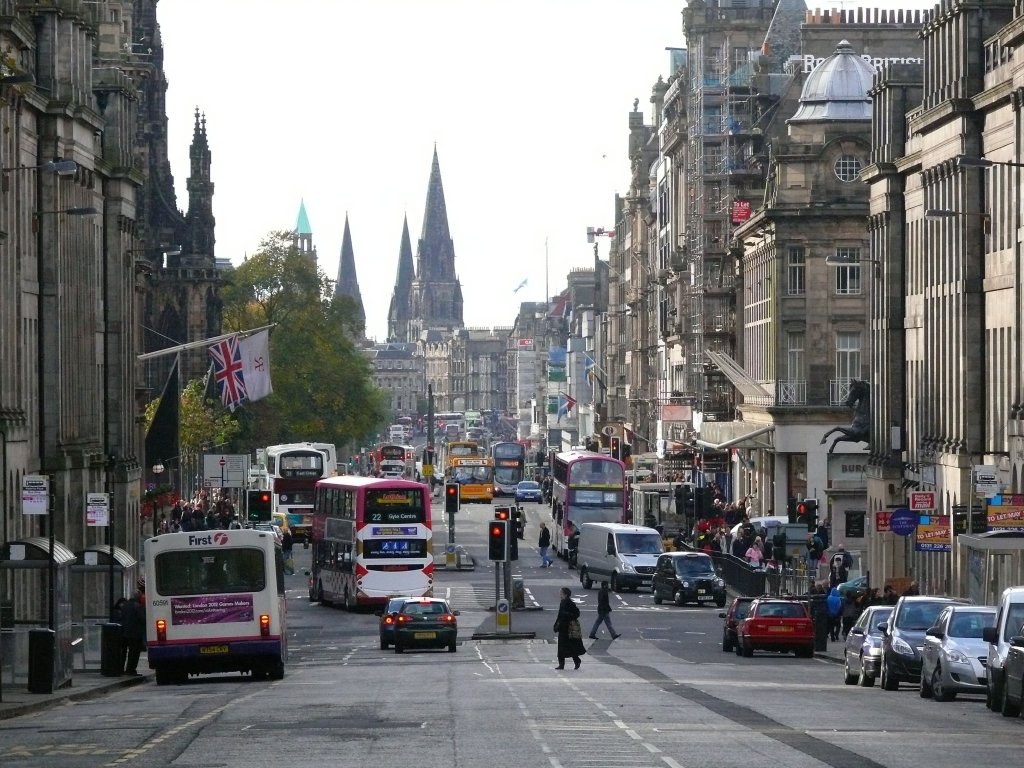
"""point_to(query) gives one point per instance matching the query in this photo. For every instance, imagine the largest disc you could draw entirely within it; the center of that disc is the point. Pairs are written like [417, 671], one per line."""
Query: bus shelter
[24, 567]
[92, 597]
[989, 563]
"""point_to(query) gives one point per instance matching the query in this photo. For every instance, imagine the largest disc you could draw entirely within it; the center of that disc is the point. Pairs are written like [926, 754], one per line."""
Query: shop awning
[752, 392]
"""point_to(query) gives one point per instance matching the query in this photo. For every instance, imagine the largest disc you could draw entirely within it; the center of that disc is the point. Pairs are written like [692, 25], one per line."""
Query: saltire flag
[589, 367]
[255, 351]
[522, 284]
[565, 404]
[227, 371]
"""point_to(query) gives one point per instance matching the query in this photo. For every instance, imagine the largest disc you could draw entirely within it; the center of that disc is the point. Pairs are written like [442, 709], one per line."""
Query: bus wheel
[350, 603]
[587, 582]
[163, 677]
[320, 595]
[276, 670]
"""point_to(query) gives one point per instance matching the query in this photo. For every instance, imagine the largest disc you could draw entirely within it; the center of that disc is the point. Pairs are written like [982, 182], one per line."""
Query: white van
[1009, 619]
[623, 555]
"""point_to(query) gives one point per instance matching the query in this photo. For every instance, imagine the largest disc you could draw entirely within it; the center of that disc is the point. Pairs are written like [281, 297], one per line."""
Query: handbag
[575, 630]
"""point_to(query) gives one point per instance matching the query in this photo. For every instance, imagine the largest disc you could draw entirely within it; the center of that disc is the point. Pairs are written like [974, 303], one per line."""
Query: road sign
[502, 619]
[903, 521]
[922, 501]
[224, 470]
[35, 495]
[986, 480]
[97, 510]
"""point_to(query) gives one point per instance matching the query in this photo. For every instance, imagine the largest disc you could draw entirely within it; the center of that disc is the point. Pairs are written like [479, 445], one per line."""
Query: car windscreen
[695, 566]
[780, 611]
[917, 617]
[529, 486]
[424, 609]
[969, 624]
[639, 544]
[1014, 620]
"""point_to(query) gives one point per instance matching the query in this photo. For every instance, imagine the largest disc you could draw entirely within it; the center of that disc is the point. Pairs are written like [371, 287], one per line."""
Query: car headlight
[957, 657]
[686, 585]
[874, 650]
[902, 647]
[719, 583]
[627, 568]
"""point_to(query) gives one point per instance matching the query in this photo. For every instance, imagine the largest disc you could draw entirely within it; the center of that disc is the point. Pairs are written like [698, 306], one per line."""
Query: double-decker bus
[292, 473]
[215, 602]
[371, 541]
[393, 461]
[475, 476]
[509, 466]
[451, 425]
[461, 449]
[585, 488]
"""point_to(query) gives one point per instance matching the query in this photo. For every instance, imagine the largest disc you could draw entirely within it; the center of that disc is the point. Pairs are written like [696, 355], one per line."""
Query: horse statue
[859, 430]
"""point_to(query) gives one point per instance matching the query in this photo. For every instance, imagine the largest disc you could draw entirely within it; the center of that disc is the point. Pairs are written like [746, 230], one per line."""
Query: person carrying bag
[570, 633]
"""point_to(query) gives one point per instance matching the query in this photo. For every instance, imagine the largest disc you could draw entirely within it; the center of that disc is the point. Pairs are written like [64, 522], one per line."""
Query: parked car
[387, 621]
[1009, 618]
[687, 577]
[736, 613]
[1013, 676]
[903, 638]
[864, 646]
[853, 587]
[425, 622]
[954, 655]
[774, 624]
[528, 490]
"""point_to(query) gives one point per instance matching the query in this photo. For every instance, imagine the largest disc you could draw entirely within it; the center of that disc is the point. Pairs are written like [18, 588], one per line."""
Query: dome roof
[837, 89]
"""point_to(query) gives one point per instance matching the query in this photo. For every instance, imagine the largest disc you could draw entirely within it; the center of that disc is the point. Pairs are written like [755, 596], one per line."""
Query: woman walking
[570, 634]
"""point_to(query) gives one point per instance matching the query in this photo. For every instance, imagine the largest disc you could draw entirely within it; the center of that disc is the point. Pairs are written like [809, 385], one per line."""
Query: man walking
[133, 631]
[542, 544]
[604, 613]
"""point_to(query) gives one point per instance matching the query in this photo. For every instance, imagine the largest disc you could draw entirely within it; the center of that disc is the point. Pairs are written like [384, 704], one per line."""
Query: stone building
[398, 370]
[347, 284]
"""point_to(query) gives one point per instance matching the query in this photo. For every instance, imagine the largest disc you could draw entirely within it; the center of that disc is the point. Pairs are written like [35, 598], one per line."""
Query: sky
[340, 103]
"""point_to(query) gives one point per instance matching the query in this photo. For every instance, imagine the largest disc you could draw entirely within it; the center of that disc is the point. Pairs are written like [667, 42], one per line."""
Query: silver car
[954, 655]
[864, 646]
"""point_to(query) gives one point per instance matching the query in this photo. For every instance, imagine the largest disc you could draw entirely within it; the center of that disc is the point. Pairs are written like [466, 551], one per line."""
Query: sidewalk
[17, 701]
[834, 652]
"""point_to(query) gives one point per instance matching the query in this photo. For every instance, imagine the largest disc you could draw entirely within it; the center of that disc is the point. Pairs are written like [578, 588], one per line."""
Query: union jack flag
[227, 371]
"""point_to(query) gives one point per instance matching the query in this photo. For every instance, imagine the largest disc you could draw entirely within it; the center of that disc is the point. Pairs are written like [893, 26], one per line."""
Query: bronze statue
[859, 430]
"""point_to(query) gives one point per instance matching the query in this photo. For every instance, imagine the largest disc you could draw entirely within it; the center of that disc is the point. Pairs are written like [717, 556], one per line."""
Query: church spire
[348, 282]
[398, 312]
[200, 195]
[303, 240]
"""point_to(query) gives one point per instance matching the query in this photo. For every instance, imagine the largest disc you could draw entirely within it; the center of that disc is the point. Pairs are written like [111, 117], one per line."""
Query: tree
[201, 422]
[323, 389]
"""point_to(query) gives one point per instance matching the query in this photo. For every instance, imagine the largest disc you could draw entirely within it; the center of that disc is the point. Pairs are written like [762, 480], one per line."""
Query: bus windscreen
[209, 571]
[394, 506]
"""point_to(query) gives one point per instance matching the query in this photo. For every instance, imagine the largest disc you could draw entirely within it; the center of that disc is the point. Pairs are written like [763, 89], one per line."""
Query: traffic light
[626, 450]
[616, 447]
[259, 506]
[497, 540]
[505, 514]
[451, 498]
[791, 509]
[807, 513]
[502, 513]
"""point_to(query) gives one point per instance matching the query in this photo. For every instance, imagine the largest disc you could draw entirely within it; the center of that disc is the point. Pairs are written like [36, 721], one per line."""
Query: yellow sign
[428, 470]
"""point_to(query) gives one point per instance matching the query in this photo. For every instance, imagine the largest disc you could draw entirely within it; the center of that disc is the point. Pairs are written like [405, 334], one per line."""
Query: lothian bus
[293, 470]
[475, 476]
[371, 541]
[215, 602]
[393, 462]
[509, 466]
[586, 487]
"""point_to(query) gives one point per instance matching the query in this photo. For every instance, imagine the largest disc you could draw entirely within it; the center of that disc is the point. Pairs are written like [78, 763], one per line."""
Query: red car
[775, 624]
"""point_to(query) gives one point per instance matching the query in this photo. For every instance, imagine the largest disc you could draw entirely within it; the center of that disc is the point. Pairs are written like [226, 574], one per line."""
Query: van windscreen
[639, 544]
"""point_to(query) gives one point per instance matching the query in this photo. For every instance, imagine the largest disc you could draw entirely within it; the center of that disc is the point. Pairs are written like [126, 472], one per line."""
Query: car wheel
[939, 690]
[738, 647]
[848, 677]
[588, 583]
[926, 685]
[398, 647]
[451, 647]
[805, 653]
[384, 644]
[990, 696]
[726, 643]
[616, 587]
[748, 650]
[888, 684]
[656, 595]
[677, 598]
[1007, 709]
[864, 680]
[720, 604]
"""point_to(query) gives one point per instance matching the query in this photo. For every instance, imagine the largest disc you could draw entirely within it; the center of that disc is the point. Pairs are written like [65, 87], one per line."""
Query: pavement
[834, 653]
[17, 701]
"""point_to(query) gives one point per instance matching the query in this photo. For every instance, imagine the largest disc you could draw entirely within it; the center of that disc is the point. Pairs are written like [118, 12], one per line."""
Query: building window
[795, 356]
[848, 271]
[847, 167]
[847, 356]
[796, 270]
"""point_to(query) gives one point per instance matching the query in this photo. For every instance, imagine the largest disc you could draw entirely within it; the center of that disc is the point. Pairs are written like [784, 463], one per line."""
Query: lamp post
[158, 470]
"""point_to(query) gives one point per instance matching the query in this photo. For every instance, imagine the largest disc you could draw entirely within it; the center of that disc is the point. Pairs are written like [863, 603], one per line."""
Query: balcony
[838, 391]
[791, 392]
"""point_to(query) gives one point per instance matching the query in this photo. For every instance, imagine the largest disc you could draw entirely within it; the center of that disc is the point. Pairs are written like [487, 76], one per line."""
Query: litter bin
[518, 593]
[819, 616]
[42, 646]
[111, 650]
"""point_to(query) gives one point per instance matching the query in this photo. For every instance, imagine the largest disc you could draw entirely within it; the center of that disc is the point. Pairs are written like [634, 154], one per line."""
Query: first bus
[215, 603]
[371, 541]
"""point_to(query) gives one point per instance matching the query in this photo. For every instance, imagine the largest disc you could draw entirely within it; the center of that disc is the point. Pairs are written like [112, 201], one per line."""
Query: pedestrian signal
[807, 513]
[497, 540]
[503, 513]
[451, 498]
[259, 506]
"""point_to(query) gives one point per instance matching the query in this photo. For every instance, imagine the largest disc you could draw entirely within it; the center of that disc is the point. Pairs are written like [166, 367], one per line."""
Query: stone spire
[199, 218]
[303, 240]
[398, 312]
[348, 283]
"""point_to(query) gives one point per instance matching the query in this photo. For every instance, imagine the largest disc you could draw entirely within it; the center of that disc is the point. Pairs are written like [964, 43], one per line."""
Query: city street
[664, 694]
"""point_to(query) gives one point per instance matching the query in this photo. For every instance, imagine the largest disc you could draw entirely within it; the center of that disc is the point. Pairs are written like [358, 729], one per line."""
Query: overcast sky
[340, 103]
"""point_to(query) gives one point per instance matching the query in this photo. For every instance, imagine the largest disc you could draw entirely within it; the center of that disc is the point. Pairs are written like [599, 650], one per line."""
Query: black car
[425, 622]
[387, 621]
[1013, 676]
[687, 577]
[903, 638]
[737, 612]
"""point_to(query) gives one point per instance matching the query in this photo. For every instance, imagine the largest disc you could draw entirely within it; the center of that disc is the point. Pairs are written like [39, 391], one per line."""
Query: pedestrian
[755, 554]
[542, 544]
[834, 603]
[604, 613]
[570, 634]
[814, 551]
[133, 631]
[839, 566]
[286, 551]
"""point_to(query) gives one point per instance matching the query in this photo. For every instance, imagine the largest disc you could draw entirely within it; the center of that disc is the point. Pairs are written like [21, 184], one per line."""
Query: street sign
[903, 521]
[224, 470]
[97, 510]
[35, 495]
[882, 522]
[922, 501]
[986, 481]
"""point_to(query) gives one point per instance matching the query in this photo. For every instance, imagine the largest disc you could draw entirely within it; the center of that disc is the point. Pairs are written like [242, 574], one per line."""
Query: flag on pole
[565, 404]
[255, 351]
[522, 284]
[227, 371]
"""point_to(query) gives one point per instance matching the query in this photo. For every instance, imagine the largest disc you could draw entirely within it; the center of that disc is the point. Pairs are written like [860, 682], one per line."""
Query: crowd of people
[201, 513]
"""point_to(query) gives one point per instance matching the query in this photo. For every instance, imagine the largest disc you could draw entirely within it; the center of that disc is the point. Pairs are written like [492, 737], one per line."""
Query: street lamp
[965, 161]
[852, 260]
[941, 214]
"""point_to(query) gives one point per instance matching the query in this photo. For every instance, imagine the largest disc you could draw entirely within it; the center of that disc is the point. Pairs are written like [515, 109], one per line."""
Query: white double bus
[293, 470]
[371, 541]
[215, 602]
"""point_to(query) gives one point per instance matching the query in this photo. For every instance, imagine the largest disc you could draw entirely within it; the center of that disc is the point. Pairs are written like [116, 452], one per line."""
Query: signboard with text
[1006, 513]
[882, 522]
[922, 501]
[933, 534]
[35, 495]
[225, 471]
[97, 510]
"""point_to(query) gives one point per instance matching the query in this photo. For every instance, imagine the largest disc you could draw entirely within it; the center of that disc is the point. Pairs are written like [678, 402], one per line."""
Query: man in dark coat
[604, 613]
[568, 646]
[133, 631]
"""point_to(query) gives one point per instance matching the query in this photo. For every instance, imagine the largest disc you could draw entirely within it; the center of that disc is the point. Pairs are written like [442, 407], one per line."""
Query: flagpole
[201, 343]
[547, 293]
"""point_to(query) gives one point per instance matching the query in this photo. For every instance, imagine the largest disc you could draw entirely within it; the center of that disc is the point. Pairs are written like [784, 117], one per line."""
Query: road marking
[670, 762]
